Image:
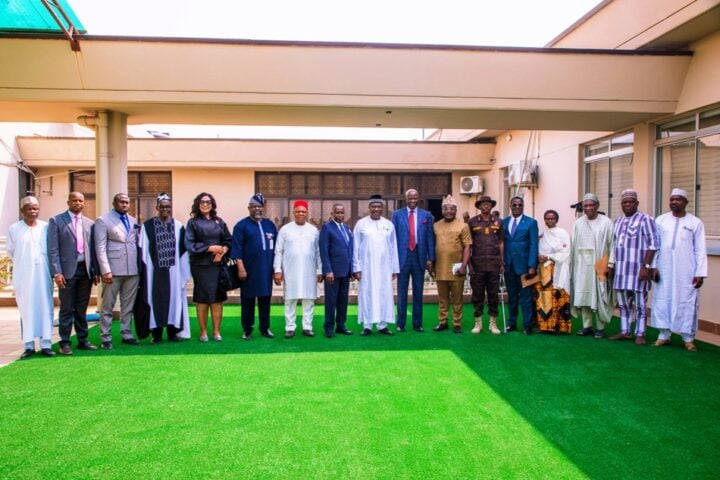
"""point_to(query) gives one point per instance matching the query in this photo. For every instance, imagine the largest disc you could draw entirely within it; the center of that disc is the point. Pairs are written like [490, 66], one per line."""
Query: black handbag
[228, 279]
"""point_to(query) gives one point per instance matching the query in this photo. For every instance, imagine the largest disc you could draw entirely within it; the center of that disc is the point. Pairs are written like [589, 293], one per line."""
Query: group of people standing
[548, 276]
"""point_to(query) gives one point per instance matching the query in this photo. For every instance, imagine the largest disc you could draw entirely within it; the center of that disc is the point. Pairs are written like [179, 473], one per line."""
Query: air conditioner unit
[523, 174]
[471, 185]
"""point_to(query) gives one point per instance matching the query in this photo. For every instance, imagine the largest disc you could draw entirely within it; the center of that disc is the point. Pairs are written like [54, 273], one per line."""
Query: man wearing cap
[635, 244]
[486, 264]
[375, 263]
[297, 263]
[452, 254]
[680, 269]
[592, 246]
[416, 254]
[336, 254]
[521, 256]
[69, 254]
[253, 248]
[116, 242]
[27, 247]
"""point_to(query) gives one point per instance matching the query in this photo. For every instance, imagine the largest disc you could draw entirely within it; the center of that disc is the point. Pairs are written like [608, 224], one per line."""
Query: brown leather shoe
[661, 343]
[308, 333]
[690, 346]
[640, 340]
[620, 336]
[86, 346]
[65, 350]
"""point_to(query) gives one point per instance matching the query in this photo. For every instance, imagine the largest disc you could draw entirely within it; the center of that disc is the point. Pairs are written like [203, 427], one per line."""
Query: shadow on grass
[614, 409]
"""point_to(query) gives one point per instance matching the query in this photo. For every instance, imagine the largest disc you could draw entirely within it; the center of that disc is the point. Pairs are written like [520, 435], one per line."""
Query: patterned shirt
[634, 236]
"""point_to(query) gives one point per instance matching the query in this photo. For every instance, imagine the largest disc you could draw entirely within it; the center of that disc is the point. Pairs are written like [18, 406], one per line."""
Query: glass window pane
[677, 170]
[710, 118]
[327, 206]
[276, 210]
[676, 127]
[623, 141]
[621, 178]
[83, 182]
[598, 181]
[708, 193]
[597, 148]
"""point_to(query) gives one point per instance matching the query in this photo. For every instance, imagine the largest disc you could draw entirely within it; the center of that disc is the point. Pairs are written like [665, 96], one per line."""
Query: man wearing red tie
[416, 253]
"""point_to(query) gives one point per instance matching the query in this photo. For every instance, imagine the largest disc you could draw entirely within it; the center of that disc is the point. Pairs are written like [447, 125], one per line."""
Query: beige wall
[702, 83]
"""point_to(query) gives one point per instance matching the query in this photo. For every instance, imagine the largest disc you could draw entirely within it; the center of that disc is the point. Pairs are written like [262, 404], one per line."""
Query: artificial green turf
[431, 405]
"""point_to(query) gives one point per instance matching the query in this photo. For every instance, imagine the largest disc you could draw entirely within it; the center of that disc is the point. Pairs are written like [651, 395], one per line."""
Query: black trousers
[336, 302]
[483, 283]
[172, 332]
[247, 314]
[74, 299]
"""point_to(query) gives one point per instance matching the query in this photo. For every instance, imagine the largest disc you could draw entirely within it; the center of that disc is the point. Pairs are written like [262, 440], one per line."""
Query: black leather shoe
[329, 335]
[365, 332]
[419, 329]
[106, 345]
[267, 334]
[65, 350]
[131, 341]
[48, 352]
[86, 346]
[308, 333]
[440, 327]
[400, 329]
[588, 331]
[247, 336]
[457, 330]
[290, 334]
[385, 331]
[511, 328]
[27, 354]
[528, 331]
[344, 332]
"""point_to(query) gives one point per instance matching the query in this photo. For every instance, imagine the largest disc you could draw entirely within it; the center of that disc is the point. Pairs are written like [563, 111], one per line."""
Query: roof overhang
[160, 80]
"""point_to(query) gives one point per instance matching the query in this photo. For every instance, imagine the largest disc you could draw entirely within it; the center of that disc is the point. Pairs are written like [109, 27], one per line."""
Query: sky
[512, 23]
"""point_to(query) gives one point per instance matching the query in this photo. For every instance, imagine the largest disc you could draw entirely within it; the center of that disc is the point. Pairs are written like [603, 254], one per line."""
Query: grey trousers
[126, 286]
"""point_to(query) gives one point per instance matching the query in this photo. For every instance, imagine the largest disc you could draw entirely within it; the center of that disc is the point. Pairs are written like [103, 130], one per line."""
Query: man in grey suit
[68, 240]
[116, 240]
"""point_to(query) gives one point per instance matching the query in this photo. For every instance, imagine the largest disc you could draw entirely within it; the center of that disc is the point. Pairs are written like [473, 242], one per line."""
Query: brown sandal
[690, 347]
[661, 343]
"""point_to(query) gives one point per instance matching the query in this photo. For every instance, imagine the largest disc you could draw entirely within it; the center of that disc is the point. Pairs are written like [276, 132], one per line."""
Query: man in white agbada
[27, 246]
[375, 263]
[680, 268]
[297, 263]
[592, 243]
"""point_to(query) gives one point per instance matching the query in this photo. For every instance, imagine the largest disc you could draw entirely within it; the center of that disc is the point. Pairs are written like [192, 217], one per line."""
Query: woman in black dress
[207, 239]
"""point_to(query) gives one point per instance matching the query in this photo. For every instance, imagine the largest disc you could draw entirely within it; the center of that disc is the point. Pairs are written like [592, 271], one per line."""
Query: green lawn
[431, 405]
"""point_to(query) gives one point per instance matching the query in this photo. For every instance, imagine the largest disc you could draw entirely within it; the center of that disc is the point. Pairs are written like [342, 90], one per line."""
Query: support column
[117, 159]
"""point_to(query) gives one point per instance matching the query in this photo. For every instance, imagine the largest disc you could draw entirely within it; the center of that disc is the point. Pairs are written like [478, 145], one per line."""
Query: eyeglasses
[205, 202]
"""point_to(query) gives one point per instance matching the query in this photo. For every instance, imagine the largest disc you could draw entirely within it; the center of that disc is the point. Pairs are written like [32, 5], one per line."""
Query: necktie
[80, 240]
[411, 226]
[125, 222]
[512, 227]
[347, 240]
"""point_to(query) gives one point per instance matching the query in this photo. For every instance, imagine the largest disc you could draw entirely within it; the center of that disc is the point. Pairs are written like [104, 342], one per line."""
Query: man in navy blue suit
[521, 256]
[416, 253]
[336, 252]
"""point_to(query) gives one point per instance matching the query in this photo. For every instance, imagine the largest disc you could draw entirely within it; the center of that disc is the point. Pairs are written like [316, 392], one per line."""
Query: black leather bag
[228, 279]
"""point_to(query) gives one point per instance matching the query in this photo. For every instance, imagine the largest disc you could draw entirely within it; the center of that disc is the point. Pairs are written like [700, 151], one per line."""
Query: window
[323, 190]
[143, 189]
[690, 159]
[609, 170]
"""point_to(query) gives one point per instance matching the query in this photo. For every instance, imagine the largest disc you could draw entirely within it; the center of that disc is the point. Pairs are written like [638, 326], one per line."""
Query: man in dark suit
[521, 254]
[336, 252]
[116, 240]
[416, 253]
[68, 241]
